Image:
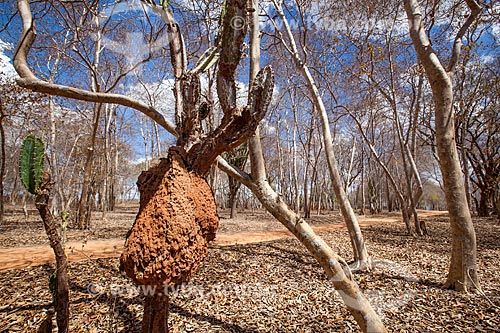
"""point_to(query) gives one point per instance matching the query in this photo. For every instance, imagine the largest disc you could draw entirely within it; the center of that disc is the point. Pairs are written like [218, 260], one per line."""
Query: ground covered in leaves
[21, 230]
[27, 230]
[278, 287]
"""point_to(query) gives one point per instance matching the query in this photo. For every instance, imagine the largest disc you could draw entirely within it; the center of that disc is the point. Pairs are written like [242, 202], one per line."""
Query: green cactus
[31, 163]
[218, 41]
[207, 60]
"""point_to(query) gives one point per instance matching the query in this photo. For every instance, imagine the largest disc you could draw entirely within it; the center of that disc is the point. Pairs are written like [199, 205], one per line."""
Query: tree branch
[30, 81]
[178, 55]
[457, 44]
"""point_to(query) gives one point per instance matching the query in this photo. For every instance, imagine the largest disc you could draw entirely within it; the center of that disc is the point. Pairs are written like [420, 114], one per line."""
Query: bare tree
[380, 81]
[477, 130]
[462, 274]
[238, 157]
[361, 257]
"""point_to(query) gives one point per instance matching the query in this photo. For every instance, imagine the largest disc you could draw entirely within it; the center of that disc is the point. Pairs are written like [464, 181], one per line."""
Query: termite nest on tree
[176, 220]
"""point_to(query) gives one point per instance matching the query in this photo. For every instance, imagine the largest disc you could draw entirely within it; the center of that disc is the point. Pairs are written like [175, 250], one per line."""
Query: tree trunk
[417, 195]
[363, 192]
[84, 209]
[25, 205]
[14, 195]
[61, 288]
[234, 206]
[114, 165]
[2, 163]
[57, 199]
[465, 162]
[463, 270]
[281, 178]
[351, 163]
[361, 257]
[412, 207]
[497, 202]
[238, 157]
[483, 209]
[234, 187]
[307, 208]
[294, 157]
[108, 177]
[462, 273]
[334, 266]
[307, 178]
[400, 198]
[156, 311]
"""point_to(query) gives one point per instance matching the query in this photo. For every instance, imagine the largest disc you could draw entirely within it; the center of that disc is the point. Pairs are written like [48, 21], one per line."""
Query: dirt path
[17, 258]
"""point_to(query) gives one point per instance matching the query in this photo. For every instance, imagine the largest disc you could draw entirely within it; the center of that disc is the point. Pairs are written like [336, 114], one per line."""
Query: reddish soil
[21, 257]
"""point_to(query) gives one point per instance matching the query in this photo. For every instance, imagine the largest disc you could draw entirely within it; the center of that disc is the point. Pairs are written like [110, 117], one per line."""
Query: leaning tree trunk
[361, 257]
[463, 271]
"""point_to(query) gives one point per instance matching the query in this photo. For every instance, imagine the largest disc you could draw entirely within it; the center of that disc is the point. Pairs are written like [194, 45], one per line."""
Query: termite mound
[176, 220]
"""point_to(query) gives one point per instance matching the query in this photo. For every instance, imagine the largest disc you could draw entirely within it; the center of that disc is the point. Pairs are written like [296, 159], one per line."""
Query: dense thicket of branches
[366, 73]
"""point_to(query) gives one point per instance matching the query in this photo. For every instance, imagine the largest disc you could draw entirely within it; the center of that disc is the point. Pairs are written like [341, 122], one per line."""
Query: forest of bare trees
[390, 106]
[378, 102]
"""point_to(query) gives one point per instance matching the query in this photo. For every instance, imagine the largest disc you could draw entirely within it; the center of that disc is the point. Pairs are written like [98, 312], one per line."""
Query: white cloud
[495, 31]
[487, 59]
[7, 71]
[158, 94]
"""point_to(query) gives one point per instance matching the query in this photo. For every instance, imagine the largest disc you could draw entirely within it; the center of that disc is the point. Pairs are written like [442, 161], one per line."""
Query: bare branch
[30, 81]
[457, 45]
[177, 52]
